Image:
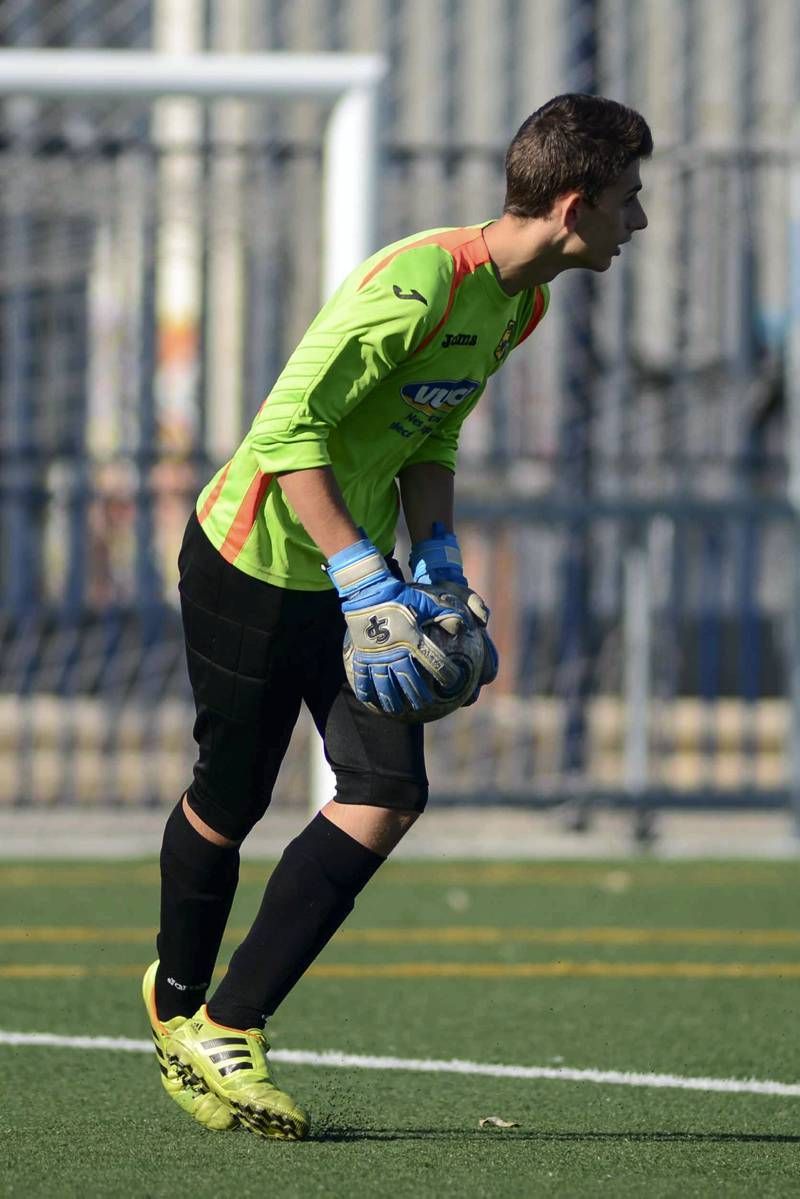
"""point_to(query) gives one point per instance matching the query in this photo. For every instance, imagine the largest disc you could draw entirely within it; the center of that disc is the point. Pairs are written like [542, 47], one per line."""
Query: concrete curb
[453, 833]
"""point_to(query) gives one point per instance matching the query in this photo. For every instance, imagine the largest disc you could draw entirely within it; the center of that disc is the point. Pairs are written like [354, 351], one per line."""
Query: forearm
[426, 492]
[316, 498]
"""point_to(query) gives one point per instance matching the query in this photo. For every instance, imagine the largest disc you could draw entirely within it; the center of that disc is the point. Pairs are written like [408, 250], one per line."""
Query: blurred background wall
[624, 483]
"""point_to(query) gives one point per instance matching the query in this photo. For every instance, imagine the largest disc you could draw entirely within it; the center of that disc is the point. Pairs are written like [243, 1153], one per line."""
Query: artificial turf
[685, 968]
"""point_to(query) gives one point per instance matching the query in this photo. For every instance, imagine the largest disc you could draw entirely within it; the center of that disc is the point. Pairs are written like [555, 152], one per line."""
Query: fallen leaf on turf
[497, 1122]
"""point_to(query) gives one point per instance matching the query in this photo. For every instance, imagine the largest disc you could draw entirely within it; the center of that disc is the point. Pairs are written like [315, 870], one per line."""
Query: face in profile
[601, 228]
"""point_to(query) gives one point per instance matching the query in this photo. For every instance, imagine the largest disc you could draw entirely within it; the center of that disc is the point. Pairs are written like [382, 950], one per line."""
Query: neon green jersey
[384, 377]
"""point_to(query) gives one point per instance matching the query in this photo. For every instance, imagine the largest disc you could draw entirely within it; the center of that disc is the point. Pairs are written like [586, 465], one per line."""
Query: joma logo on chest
[459, 339]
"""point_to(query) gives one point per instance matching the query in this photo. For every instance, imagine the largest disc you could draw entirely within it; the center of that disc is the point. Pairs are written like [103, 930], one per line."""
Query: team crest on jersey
[501, 349]
[438, 396]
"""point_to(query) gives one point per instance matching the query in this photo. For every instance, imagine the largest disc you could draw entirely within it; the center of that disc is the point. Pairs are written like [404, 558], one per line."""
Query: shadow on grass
[342, 1135]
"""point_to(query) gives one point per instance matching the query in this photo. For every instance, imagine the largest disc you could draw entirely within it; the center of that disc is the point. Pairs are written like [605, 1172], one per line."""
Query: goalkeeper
[291, 544]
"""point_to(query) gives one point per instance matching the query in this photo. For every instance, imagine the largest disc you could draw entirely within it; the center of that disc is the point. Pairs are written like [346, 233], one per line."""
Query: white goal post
[350, 150]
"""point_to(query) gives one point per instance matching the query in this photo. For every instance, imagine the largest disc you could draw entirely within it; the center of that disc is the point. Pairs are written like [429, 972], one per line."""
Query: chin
[597, 265]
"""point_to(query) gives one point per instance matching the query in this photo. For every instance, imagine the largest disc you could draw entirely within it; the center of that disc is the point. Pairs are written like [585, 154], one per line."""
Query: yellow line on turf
[120, 875]
[38, 971]
[464, 970]
[613, 877]
[500, 970]
[68, 933]
[602, 935]
[479, 874]
[446, 935]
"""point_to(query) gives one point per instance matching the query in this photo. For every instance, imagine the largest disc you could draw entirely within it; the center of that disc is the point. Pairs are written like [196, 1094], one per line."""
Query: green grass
[97, 1123]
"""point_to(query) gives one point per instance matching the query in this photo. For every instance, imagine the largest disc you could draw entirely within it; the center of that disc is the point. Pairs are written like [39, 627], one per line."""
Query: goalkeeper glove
[438, 560]
[394, 662]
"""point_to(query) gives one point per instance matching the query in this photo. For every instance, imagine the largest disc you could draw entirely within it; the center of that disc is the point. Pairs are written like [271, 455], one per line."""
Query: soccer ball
[464, 649]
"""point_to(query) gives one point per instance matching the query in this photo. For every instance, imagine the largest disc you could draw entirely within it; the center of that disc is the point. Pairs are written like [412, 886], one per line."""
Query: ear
[571, 205]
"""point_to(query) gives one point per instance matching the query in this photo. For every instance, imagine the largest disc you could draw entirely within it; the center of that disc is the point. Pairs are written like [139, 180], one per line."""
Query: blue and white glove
[438, 560]
[394, 661]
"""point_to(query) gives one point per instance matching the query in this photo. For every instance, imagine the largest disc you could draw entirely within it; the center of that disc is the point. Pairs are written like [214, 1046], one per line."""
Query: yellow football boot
[200, 1103]
[231, 1065]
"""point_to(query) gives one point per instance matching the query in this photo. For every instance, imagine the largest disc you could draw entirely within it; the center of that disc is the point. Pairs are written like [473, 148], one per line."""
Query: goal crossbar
[62, 73]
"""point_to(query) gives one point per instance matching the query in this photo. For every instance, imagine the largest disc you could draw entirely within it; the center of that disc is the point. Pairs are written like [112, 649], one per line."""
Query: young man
[290, 545]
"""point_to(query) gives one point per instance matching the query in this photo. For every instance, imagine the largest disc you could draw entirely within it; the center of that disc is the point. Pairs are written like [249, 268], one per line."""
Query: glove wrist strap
[356, 565]
[437, 559]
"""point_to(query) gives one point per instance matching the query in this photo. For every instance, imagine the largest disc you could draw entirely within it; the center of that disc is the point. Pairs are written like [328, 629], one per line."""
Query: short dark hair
[572, 143]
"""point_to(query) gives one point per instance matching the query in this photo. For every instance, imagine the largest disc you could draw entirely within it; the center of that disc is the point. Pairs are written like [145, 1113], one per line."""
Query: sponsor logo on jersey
[501, 349]
[409, 295]
[459, 339]
[438, 396]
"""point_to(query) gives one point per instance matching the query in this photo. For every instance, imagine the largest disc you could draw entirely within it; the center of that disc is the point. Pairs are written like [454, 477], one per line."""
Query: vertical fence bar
[636, 665]
[19, 544]
[709, 641]
[676, 451]
[792, 384]
[746, 538]
[635, 544]
[576, 446]
[21, 557]
[618, 304]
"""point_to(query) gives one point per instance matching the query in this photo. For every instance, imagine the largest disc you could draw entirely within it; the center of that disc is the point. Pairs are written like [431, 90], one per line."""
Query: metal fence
[624, 482]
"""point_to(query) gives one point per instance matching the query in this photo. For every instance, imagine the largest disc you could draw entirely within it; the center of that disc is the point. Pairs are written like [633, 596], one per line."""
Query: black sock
[198, 882]
[310, 892]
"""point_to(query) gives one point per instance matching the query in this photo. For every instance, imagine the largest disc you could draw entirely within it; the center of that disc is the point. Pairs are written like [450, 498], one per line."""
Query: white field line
[357, 1061]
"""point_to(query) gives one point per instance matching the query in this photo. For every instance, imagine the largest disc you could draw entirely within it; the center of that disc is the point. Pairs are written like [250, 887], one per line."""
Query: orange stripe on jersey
[245, 518]
[536, 316]
[468, 250]
[467, 257]
[451, 240]
[213, 495]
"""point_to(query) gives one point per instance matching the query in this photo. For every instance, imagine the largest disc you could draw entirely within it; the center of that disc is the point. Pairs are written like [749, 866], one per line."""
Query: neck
[524, 252]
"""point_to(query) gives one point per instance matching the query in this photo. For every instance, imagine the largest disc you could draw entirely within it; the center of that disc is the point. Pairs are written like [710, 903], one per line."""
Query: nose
[640, 218]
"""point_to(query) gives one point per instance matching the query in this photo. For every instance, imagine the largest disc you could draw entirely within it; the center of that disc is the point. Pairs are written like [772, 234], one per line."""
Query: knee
[206, 830]
[378, 829]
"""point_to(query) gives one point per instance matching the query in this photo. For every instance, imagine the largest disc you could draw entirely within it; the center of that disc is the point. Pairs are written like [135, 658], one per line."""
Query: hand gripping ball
[460, 640]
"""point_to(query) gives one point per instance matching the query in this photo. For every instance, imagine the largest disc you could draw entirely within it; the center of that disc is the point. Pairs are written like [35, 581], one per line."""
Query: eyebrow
[633, 190]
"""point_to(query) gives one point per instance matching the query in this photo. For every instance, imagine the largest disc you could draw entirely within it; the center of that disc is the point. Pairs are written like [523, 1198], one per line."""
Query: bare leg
[205, 830]
[378, 829]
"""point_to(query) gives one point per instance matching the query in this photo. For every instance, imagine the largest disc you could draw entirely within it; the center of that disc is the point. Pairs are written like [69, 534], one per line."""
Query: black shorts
[256, 652]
